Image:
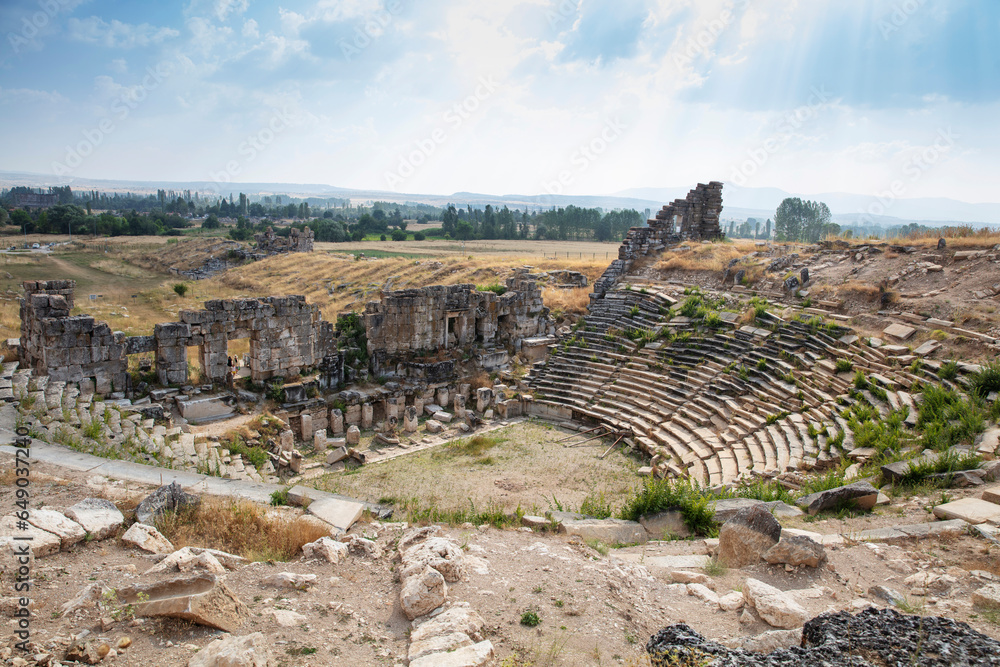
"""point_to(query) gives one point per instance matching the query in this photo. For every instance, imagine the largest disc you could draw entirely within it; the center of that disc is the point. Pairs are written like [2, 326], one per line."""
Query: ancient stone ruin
[408, 322]
[694, 218]
[269, 243]
[68, 348]
[286, 335]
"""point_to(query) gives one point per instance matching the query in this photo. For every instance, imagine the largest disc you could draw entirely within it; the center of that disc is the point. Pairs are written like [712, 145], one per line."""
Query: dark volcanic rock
[872, 638]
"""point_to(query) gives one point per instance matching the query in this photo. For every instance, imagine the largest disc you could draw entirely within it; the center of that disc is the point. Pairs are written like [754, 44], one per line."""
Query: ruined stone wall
[268, 243]
[453, 316]
[68, 348]
[693, 218]
[286, 335]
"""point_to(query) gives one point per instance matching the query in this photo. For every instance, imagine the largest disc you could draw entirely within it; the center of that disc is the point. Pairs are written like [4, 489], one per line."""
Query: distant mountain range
[739, 202]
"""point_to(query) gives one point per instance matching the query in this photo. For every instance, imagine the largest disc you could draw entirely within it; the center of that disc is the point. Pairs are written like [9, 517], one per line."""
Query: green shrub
[633, 311]
[691, 306]
[986, 380]
[831, 480]
[658, 495]
[948, 462]
[768, 491]
[596, 505]
[279, 497]
[713, 320]
[946, 418]
[398, 235]
[496, 288]
[844, 366]
[530, 618]
[860, 381]
[762, 364]
[948, 371]
[180, 289]
[418, 236]
[255, 455]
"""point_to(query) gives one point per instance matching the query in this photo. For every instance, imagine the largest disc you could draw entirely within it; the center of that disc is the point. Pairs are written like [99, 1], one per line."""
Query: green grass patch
[658, 495]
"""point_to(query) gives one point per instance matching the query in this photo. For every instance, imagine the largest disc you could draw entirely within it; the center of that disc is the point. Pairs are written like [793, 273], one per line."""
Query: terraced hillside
[719, 385]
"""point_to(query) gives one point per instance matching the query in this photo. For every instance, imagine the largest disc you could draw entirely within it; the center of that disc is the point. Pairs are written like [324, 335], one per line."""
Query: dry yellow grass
[567, 301]
[239, 527]
[858, 290]
[708, 256]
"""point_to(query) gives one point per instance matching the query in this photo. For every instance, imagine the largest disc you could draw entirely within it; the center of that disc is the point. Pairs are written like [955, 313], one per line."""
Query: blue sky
[509, 96]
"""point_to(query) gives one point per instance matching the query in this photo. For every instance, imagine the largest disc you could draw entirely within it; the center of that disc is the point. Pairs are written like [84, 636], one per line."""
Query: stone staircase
[715, 405]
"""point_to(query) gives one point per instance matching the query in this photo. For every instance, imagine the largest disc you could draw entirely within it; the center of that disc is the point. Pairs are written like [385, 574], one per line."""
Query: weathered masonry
[286, 335]
[270, 243]
[693, 218]
[407, 322]
[68, 348]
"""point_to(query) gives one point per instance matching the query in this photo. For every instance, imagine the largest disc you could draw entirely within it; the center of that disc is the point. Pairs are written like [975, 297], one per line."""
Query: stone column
[410, 419]
[367, 413]
[484, 397]
[336, 422]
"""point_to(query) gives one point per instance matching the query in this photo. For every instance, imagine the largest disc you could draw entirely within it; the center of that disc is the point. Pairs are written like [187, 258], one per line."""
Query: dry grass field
[134, 293]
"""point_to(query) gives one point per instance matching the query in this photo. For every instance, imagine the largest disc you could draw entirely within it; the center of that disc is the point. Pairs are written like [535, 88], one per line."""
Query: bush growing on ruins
[987, 380]
[496, 288]
[948, 371]
[844, 366]
[596, 505]
[946, 418]
[180, 289]
[860, 381]
[948, 462]
[713, 321]
[691, 306]
[658, 495]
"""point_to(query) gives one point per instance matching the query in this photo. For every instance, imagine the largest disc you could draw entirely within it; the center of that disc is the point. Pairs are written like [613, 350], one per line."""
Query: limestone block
[484, 398]
[319, 441]
[410, 422]
[336, 422]
[98, 517]
[68, 531]
[367, 413]
[353, 435]
[353, 415]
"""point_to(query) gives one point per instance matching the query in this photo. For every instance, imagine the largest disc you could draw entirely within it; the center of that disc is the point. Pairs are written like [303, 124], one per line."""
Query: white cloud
[116, 34]
[118, 65]
[29, 96]
[250, 29]
[220, 9]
